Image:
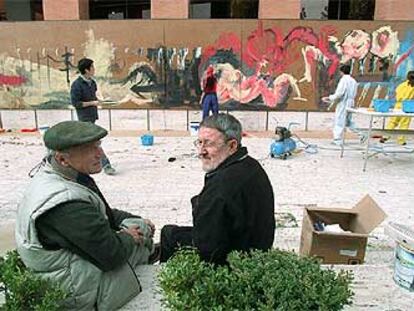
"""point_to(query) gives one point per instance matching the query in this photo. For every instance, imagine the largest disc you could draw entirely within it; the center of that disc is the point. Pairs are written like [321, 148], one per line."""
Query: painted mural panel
[215, 44]
[263, 65]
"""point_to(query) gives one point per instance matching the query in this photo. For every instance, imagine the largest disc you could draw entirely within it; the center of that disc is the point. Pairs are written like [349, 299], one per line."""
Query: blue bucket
[194, 127]
[408, 106]
[147, 140]
[383, 105]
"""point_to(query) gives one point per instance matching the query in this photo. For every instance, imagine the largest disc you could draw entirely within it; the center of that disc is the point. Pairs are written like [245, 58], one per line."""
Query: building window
[120, 9]
[37, 10]
[22, 10]
[337, 9]
[224, 8]
[3, 14]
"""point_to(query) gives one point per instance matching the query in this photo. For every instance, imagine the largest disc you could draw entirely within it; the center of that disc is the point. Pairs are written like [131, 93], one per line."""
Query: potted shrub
[23, 290]
[274, 280]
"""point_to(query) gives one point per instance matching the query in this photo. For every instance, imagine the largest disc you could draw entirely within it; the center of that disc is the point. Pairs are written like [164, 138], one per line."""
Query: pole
[35, 117]
[188, 120]
[306, 120]
[110, 118]
[148, 120]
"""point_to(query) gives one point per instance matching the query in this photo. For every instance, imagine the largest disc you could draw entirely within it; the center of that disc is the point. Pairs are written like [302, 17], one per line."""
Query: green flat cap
[67, 134]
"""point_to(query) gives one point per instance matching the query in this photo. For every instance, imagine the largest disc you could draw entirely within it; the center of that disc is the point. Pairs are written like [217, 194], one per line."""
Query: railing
[148, 115]
[268, 118]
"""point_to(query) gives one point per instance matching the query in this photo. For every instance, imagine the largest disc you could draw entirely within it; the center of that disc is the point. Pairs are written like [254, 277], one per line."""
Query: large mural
[261, 65]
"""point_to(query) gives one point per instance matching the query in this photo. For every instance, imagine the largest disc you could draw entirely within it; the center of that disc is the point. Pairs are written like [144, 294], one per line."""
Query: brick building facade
[180, 9]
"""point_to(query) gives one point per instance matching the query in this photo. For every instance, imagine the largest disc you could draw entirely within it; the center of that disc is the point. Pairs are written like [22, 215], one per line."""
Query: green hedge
[274, 280]
[25, 291]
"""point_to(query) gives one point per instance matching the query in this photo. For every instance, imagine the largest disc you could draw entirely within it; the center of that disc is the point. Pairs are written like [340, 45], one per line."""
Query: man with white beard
[235, 208]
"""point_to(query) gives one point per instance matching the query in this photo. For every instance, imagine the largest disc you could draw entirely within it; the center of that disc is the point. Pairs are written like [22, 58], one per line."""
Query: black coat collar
[238, 156]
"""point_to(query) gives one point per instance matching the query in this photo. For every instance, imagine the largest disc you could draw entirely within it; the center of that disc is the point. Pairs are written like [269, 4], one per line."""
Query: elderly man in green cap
[67, 232]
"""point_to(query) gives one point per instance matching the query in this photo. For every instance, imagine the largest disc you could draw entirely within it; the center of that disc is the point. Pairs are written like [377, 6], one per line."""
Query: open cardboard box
[340, 248]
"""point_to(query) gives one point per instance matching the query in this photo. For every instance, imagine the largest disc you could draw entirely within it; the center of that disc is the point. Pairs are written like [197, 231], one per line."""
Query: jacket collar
[238, 156]
[86, 80]
[71, 174]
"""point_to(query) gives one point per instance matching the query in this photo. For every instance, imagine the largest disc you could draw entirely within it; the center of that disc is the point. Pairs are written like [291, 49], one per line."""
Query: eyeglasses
[207, 143]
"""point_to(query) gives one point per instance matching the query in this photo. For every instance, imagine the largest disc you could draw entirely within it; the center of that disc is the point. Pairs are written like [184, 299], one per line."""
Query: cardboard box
[340, 248]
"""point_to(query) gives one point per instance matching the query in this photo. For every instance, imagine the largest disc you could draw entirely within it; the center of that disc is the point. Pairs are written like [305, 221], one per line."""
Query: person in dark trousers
[83, 98]
[209, 99]
[67, 232]
[235, 208]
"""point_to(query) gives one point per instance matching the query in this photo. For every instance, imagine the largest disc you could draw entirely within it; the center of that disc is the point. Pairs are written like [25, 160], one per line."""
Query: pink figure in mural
[385, 42]
[268, 51]
[356, 45]
[234, 85]
[355, 48]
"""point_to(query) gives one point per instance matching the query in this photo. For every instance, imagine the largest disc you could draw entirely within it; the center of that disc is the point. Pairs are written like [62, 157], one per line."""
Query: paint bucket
[404, 254]
[147, 140]
[194, 127]
[404, 266]
[408, 106]
[383, 105]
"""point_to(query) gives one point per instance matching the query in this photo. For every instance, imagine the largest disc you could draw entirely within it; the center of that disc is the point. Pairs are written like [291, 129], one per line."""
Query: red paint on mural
[12, 80]
[226, 41]
[271, 46]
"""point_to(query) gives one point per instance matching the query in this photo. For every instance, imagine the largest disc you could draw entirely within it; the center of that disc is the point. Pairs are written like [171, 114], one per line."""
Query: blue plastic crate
[383, 105]
[408, 106]
[147, 140]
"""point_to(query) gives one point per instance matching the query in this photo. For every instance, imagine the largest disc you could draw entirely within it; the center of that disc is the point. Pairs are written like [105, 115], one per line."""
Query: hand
[151, 225]
[326, 99]
[136, 234]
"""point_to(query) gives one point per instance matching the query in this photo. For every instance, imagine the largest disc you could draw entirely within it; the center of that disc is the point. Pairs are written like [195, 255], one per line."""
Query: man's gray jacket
[88, 287]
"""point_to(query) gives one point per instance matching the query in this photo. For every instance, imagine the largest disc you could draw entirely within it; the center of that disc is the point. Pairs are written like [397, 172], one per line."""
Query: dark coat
[82, 91]
[235, 209]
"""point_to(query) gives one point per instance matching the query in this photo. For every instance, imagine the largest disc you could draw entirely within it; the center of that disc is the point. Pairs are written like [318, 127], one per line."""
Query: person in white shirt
[344, 97]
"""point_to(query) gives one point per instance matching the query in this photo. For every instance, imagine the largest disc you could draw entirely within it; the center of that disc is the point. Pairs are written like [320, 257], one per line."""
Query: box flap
[369, 215]
[331, 209]
[342, 234]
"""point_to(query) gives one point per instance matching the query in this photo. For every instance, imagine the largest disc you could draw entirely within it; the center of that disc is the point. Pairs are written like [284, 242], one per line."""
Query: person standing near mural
[83, 98]
[344, 97]
[404, 91]
[209, 99]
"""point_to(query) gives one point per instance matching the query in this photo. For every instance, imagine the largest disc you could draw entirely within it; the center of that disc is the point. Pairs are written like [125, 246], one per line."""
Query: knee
[167, 231]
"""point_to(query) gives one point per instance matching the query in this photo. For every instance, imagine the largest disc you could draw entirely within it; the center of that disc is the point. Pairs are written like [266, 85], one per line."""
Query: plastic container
[194, 127]
[404, 254]
[383, 105]
[147, 140]
[408, 106]
[404, 266]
